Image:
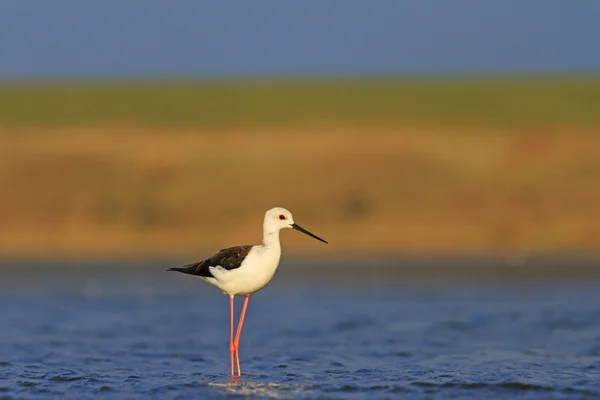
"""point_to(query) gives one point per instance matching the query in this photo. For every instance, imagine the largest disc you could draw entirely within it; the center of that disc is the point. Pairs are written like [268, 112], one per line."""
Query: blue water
[139, 333]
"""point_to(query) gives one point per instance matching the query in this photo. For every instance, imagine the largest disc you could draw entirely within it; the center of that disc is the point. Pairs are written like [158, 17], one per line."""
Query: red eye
[281, 216]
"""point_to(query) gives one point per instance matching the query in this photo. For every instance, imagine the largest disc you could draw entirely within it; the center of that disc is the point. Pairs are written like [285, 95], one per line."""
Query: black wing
[230, 258]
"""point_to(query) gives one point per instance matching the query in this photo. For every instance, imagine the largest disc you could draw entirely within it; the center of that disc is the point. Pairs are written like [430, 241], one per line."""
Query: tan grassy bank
[420, 166]
[114, 190]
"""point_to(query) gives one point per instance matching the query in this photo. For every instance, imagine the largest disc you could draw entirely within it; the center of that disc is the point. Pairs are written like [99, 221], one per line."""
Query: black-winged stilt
[245, 269]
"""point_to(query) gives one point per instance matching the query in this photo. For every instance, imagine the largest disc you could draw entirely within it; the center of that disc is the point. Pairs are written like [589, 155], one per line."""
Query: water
[139, 333]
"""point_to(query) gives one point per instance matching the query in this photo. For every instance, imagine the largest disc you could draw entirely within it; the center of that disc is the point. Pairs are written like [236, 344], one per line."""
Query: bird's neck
[271, 238]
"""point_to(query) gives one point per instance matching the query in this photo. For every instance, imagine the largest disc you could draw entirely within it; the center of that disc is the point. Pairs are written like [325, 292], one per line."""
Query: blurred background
[145, 129]
[448, 151]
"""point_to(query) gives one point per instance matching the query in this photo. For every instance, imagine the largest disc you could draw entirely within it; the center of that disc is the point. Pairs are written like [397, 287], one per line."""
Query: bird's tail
[186, 269]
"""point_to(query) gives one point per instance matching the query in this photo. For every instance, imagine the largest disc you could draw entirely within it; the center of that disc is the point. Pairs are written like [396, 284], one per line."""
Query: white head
[279, 218]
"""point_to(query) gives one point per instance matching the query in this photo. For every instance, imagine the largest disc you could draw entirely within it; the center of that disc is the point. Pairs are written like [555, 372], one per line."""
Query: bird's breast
[255, 272]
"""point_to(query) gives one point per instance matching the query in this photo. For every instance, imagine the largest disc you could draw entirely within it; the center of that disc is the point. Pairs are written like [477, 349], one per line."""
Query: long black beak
[301, 229]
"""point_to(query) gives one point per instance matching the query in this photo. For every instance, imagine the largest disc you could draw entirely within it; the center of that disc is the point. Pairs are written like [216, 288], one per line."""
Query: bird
[243, 270]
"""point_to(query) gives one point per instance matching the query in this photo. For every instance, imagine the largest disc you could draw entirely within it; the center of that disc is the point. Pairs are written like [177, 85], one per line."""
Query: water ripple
[479, 344]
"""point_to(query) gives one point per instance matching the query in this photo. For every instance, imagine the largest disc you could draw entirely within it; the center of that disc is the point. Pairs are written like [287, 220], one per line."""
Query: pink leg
[231, 345]
[236, 343]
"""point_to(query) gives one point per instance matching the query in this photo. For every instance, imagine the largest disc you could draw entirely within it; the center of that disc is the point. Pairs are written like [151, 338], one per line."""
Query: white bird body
[255, 272]
[245, 269]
